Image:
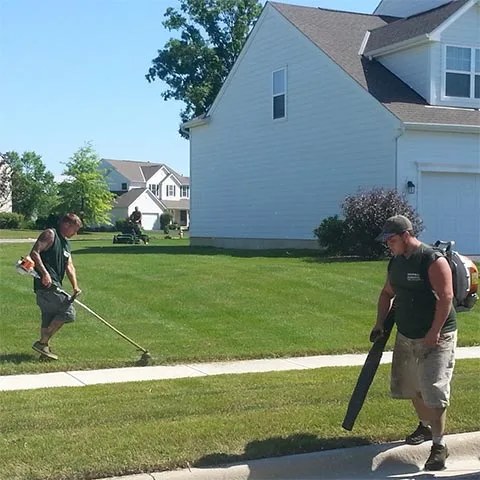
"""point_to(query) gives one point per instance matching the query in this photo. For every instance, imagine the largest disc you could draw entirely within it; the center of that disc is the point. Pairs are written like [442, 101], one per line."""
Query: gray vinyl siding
[445, 151]
[412, 66]
[465, 30]
[253, 177]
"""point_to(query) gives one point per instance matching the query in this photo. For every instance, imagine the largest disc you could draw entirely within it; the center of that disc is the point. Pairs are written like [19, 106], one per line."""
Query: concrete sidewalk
[394, 460]
[136, 374]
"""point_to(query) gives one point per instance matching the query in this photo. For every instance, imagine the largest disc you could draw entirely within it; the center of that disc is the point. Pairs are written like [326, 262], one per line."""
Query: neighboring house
[5, 190]
[153, 187]
[322, 103]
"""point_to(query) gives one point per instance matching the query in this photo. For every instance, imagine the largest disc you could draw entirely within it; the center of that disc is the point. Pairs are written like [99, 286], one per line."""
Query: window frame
[167, 190]
[185, 189]
[279, 94]
[472, 73]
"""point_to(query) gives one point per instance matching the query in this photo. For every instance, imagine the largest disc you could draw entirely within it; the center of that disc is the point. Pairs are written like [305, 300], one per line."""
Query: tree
[86, 191]
[34, 190]
[212, 34]
[5, 181]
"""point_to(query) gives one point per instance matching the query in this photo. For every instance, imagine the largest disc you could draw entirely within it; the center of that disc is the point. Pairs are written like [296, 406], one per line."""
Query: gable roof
[340, 34]
[126, 199]
[135, 171]
[411, 27]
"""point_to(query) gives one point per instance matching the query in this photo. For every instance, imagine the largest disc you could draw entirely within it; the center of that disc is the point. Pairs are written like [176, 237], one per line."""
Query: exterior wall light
[410, 187]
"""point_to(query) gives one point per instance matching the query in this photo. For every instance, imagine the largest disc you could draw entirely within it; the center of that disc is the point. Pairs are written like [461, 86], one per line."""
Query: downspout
[400, 131]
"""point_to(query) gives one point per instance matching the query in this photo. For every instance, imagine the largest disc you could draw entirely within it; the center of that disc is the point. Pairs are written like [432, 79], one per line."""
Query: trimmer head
[145, 359]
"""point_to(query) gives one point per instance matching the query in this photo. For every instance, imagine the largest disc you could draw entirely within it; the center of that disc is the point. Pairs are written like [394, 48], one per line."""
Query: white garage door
[450, 209]
[150, 221]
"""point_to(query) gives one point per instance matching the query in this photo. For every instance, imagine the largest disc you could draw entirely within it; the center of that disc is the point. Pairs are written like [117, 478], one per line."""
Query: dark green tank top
[55, 260]
[414, 299]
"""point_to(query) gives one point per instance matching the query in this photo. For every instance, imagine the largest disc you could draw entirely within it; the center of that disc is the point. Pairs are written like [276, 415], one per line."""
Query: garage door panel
[450, 209]
[151, 221]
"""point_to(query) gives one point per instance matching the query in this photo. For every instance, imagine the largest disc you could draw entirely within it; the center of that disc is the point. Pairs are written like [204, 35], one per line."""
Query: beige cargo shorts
[419, 369]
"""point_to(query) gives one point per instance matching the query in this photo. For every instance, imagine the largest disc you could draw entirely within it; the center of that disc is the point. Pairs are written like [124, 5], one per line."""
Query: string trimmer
[26, 266]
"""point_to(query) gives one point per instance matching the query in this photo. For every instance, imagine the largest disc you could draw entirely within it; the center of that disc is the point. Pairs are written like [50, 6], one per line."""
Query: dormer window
[462, 72]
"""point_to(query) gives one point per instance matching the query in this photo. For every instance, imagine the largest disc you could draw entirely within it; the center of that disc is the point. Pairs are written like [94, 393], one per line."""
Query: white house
[5, 188]
[153, 187]
[321, 103]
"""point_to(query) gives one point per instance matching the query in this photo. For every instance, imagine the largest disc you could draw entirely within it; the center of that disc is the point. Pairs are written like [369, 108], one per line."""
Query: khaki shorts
[54, 306]
[418, 369]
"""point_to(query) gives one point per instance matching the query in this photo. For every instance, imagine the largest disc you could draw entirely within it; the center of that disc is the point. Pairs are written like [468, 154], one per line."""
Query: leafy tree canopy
[194, 66]
[34, 191]
[86, 191]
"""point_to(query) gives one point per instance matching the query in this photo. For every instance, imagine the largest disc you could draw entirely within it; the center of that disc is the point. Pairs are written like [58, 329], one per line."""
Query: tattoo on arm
[44, 241]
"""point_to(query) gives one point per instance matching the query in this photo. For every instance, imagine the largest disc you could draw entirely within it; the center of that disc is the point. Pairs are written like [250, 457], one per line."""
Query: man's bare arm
[72, 275]
[44, 242]
[440, 276]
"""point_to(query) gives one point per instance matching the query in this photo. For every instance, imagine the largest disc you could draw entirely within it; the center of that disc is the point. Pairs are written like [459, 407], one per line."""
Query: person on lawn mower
[52, 257]
[136, 218]
[424, 349]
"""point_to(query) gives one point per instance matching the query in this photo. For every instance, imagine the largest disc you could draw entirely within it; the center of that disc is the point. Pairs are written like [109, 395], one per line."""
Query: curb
[389, 460]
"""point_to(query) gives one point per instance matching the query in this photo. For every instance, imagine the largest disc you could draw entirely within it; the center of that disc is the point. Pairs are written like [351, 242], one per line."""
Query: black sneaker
[420, 435]
[44, 350]
[436, 460]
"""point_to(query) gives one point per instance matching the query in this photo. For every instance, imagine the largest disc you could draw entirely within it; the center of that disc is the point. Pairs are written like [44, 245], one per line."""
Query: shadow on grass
[280, 446]
[17, 358]
[307, 254]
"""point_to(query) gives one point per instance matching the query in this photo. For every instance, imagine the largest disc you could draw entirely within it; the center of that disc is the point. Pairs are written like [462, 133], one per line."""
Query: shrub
[331, 234]
[10, 220]
[165, 220]
[364, 215]
[100, 228]
[121, 224]
[29, 225]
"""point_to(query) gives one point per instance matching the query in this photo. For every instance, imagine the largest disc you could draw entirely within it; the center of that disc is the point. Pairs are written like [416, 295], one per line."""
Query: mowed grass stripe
[194, 305]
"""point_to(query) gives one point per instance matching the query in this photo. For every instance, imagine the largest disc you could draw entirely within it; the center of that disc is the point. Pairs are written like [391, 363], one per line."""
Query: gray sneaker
[44, 350]
[436, 460]
[420, 435]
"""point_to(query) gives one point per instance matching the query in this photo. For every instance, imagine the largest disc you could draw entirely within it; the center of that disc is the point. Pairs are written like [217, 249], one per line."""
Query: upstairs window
[170, 190]
[124, 186]
[154, 189]
[184, 191]
[279, 93]
[462, 72]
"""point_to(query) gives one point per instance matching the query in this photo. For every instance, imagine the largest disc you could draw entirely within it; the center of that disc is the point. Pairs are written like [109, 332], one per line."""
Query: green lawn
[98, 431]
[198, 304]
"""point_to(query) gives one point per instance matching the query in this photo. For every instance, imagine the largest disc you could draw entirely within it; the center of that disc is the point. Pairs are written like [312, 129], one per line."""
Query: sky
[73, 72]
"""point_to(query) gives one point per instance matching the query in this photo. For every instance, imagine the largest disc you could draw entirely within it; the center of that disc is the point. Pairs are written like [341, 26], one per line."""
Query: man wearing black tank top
[424, 350]
[52, 256]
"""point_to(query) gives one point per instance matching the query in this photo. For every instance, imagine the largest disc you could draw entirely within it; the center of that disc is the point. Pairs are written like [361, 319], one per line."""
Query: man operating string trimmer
[52, 257]
[48, 262]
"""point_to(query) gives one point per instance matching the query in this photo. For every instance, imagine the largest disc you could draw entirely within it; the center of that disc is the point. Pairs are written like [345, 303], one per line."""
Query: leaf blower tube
[26, 266]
